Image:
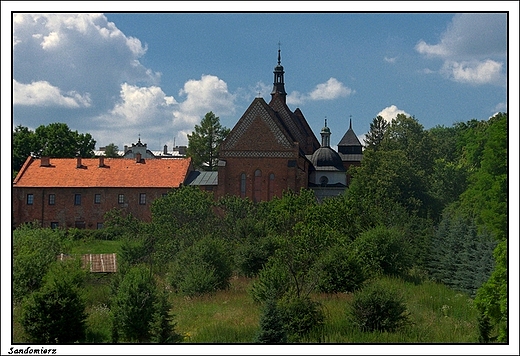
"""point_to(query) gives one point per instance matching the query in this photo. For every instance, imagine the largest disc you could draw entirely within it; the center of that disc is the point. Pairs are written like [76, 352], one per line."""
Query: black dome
[326, 157]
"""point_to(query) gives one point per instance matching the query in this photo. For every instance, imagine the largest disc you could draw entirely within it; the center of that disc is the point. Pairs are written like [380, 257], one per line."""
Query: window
[54, 225]
[120, 198]
[79, 224]
[30, 199]
[52, 199]
[271, 186]
[243, 185]
[99, 226]
[324, 181]
[142, 198]
[258, 186]
[97, 198]
[77, 199]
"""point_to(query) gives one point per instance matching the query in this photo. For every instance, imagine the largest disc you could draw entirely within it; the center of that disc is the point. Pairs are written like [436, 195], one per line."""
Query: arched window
[243, 185]
[323, 181]
[271, 186]
[258, 186]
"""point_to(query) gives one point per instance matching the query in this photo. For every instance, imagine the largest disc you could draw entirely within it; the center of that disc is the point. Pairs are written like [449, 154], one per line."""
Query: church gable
[257, 130]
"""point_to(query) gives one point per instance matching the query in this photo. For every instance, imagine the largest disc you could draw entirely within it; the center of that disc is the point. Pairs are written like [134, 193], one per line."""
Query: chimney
[101, 161]
[78, 162]
[45, 162]
[126, 148]
[165, 151]
[137, 158]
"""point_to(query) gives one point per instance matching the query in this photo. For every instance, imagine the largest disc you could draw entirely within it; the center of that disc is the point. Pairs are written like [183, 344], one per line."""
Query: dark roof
[325, 158]
[202, 178]
[349, 139]
[351, 157]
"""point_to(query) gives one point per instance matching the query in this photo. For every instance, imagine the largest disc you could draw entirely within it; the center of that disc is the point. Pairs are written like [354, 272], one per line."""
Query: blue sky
[120, 75]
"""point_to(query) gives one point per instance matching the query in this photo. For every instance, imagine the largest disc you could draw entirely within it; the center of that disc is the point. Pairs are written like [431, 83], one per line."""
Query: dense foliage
[204, 142]
[431, 203]
[54, 140]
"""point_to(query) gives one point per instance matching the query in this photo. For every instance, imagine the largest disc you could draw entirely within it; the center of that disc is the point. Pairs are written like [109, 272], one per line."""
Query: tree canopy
[54, 140]
[204, 142]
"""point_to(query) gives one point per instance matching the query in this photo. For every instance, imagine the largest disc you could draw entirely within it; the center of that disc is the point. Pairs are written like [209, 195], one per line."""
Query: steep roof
[350, 138]
[115, 172]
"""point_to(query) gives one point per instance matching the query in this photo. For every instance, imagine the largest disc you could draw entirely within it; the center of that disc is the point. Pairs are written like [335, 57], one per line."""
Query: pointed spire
[350, 125]
[278, 84]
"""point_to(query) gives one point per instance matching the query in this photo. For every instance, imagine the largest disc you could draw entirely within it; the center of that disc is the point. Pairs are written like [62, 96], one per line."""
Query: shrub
[382, 250]
[252, 255]
[56, 313]
[341, 271]
[133, 306]
[272, 282]
[272, 330]
[204, 267]
[377, 308]
[300, 316]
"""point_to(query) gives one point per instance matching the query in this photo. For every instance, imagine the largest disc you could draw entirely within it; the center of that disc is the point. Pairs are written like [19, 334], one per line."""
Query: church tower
[265, 152]
[278, 83]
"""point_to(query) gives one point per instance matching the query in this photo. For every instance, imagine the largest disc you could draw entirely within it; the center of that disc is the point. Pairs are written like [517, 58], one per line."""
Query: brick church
[272, 149]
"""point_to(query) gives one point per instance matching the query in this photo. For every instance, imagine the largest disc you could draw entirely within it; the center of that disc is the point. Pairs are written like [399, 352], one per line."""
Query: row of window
[97, 199]
[77, 224]
[257, 185]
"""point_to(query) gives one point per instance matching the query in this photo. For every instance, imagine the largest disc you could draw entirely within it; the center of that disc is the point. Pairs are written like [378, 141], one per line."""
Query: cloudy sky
[120, 75]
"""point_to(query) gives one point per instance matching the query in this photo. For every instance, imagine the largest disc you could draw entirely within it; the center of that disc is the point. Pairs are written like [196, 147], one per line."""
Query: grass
[437, 314]
[86, 246]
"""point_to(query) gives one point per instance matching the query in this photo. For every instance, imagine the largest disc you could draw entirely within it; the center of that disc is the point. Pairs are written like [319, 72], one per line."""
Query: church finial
[279, 56]
[350, 125]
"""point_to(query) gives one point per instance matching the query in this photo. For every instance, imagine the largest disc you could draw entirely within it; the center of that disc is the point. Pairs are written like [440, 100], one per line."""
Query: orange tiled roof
[116, 172]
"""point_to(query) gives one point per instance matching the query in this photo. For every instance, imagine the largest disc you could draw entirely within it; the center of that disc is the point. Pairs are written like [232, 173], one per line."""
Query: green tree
[204, 267]
[56, 313]
[111, 151]
[134, 306]
[24, 144]
[204, 142]
[57, 140]
[34, 250]
[272, 330]
[375, 136]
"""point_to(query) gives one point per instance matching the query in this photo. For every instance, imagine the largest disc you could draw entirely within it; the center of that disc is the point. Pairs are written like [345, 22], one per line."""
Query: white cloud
[390, 59]
[207, 94]
[473, 47]
[330, 90]
[82, 53]
[42, 93]
[389, 113]
[474, 72]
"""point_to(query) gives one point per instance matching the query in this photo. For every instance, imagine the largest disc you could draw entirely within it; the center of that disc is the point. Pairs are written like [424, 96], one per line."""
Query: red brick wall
[65, 213]
[285, 177]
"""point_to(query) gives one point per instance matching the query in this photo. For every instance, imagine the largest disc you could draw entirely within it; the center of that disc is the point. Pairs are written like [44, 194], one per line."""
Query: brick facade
[68, 192]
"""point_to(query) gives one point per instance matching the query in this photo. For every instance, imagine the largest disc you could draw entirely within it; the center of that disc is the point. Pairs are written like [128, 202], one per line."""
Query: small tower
[325, 136]
[278, 84]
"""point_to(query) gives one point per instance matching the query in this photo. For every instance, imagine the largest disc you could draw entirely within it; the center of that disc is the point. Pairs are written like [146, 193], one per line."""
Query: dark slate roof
[351, 157]
[202, 178]
[325, 158]
[349, 139]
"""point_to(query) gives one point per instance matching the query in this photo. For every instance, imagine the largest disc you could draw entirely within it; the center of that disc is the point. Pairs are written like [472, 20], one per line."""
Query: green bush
[56, 312]
[383, 250]
[341, 271]
[377, 308]
[252, 255]
[204, 267]
[272, 330]
[300, 316]
[272, 282]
